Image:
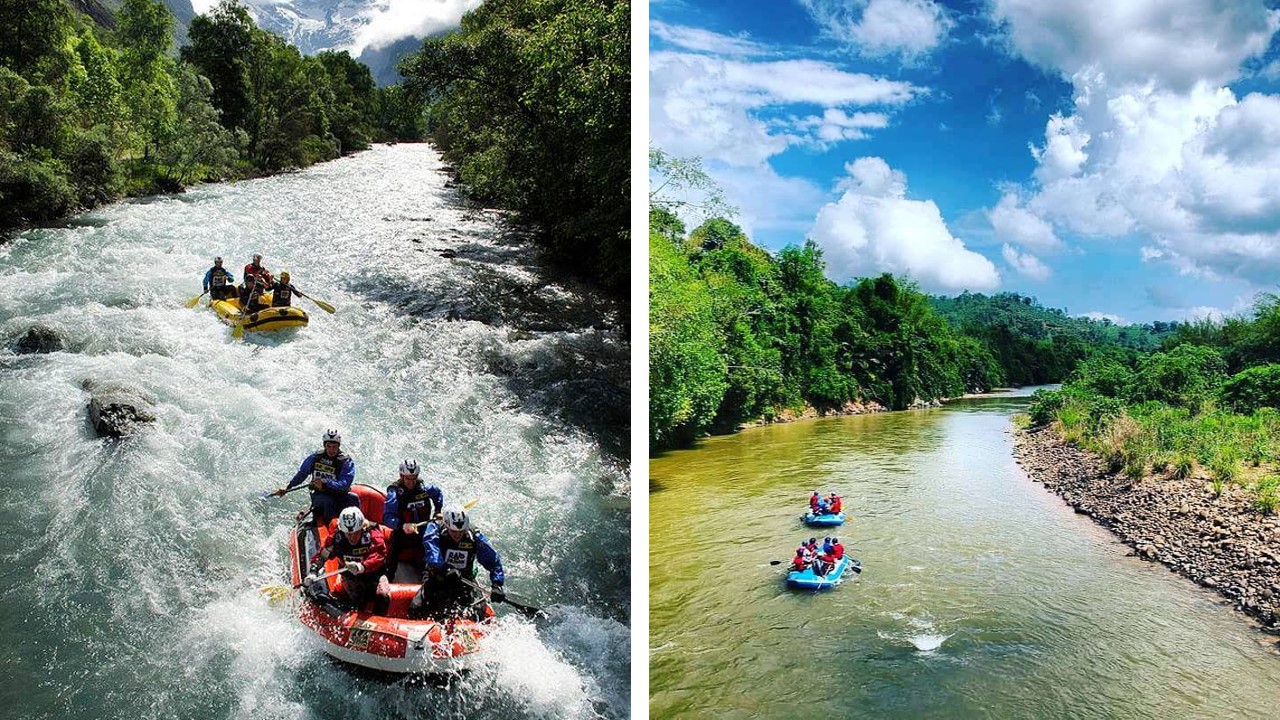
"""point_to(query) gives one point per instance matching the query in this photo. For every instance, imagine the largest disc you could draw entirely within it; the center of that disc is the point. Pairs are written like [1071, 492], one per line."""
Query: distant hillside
[1036, 344]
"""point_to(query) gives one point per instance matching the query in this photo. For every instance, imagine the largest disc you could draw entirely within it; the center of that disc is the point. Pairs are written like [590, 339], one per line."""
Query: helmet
[218, 259]
[257, 258]
[350, 519]
[799, 551]
[455, 518]
[813, 541]
[409, 467]
[835, 541]
[284, 276]
[331, 436]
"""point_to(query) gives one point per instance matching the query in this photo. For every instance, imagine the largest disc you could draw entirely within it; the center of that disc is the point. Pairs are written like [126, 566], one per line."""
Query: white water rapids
[131, 568]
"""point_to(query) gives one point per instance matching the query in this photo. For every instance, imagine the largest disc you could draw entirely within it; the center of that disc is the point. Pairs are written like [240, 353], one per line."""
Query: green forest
[93, 110]
[1206, 401]
[738, 334]
[531, 102]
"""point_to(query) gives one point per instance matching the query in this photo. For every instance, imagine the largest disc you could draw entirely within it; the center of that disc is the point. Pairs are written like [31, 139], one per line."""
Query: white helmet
[332, 436]
[350, 519]
[455, 518]
[409, 467]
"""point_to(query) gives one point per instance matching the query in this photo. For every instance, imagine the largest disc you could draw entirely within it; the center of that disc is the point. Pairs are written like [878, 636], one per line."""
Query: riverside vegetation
[530, 101]
[93, 109]
[738, 333]
[1178, 452]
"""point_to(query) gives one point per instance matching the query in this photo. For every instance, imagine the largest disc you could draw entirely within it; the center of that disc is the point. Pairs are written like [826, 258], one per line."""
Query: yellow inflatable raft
[272, 318]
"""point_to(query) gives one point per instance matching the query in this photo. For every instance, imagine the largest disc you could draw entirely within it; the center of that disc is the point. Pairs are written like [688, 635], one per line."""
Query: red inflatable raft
[390, 642]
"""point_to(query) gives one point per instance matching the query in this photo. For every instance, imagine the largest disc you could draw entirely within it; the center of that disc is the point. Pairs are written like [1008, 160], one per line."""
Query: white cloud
[1156, 148]
[705, 106]
[1026, 264]
[878, 28]
[835, 125]
[1176, 44]
[706, 41]
[874, 228]
[392, 20]
[1015, 224]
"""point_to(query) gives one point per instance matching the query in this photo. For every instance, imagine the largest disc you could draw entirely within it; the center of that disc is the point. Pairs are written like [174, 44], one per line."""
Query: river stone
[39, 339]
[117, 409]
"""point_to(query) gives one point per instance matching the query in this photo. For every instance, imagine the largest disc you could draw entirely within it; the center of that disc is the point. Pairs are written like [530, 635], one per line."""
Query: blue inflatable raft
[823, 520]
[809, 581]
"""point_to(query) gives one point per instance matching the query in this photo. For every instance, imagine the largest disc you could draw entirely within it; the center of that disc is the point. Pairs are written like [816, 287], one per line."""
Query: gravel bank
[1218, 542]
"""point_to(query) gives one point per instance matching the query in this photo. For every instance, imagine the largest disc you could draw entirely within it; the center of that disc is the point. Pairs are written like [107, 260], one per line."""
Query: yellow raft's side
[264, 320]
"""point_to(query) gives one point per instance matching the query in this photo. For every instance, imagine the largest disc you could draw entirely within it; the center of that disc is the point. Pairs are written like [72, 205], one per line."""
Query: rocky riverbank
[1218, 542]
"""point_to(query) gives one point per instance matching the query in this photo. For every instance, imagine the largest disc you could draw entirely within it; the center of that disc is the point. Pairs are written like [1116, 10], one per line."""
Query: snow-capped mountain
[377, 31]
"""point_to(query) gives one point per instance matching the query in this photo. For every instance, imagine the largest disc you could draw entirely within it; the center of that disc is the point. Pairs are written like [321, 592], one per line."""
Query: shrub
[1266, 495]
[1254, 388]
[1183, 466]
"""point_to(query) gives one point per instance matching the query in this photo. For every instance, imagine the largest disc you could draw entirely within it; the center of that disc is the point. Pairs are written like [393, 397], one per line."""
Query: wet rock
[118, 409]
[39, 339]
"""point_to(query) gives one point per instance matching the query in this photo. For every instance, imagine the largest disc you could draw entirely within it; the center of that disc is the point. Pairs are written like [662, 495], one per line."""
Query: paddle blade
[776, 562]
[237, 332]
[528, 611]
[276, 594]
[470, 504]
[324, 305]
[192, 302]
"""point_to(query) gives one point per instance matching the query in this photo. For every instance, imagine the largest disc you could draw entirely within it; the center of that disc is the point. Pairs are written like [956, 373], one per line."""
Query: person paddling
[799, 563]
[218, 281]
[452, 548]
[814, 501]
[282, 291]
[331, 473]
[409, 502]
[255, 276]
[836, 505]
[362, 549]
[837, 550]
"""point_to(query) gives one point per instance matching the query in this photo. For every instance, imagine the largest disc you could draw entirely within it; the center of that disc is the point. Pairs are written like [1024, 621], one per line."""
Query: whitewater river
[131, 569]
[983, 595]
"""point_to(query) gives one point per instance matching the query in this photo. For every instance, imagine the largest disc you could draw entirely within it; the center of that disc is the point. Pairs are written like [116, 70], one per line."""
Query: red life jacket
[813, 503]
[837, 551]
[836, 505]
[798, 564]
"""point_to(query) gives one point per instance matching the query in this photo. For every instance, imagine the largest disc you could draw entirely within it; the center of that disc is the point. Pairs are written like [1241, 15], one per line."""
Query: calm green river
[983, 595]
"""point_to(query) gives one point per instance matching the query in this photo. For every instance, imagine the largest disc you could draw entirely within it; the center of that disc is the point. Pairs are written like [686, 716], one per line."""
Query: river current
[983, 595]
[131, 569]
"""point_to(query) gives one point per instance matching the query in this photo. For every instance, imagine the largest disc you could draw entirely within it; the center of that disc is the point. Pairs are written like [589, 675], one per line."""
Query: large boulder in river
[39, 339]
[117, 409]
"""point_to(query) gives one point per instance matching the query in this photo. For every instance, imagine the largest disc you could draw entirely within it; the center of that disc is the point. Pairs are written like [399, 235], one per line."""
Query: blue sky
[1120, 159]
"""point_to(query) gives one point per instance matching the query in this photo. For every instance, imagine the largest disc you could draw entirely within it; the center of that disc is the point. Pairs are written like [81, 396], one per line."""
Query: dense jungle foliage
[92, 112]
[1205, 403]
[530, 100]
[738, 334]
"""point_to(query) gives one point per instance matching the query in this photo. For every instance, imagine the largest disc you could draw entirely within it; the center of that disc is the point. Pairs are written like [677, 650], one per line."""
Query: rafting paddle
[272, 493]
[192, 302]
[319, 303]
[526, 610]
[277, 593]
[854, 565]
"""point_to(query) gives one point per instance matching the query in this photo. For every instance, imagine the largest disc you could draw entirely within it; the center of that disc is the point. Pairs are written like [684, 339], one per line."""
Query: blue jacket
[436, 545]
[208, 276]
[338, 481]
[395, 493]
